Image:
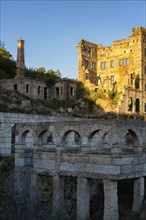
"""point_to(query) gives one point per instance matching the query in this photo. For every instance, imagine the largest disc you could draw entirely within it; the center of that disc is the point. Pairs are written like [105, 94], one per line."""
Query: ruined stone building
[36, 88]
[120, 67]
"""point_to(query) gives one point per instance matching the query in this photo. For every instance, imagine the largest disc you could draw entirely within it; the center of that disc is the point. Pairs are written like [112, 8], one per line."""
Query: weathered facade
[121, 67]
[63, 89]
[37, 89]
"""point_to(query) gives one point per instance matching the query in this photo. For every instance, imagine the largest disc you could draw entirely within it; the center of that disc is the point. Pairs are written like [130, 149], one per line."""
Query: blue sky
[52, 29]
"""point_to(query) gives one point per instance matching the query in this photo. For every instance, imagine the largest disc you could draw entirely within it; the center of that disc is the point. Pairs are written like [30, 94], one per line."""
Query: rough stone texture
[64, 89]
[63, 147]
[120, 66]
[83, 198]
[110, 200]
[138, 194]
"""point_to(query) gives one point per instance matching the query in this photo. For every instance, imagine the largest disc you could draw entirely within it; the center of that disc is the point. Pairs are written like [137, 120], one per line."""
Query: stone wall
[121, 67]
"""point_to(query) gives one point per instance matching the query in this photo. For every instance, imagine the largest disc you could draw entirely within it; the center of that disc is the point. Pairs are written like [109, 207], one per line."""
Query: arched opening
[95, 139]
[71, 139]
[27, 139]
[137, 105]
[131, 139]
[45, 137]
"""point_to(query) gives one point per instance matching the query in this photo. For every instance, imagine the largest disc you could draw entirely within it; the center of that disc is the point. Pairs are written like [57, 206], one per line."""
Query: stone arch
[71, 138]
[131, 139]
[27, 138]
[133, 131]
[64, 130]
[96, 130]
[96, 139]
[45, 137]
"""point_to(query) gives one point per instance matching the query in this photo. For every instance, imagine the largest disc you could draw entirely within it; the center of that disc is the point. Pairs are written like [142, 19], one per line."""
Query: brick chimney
[20, 59]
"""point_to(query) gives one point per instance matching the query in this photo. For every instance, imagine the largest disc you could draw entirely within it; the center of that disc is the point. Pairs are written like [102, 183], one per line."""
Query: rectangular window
[103, 65]
[71, 91]
[86, 63]
[124, 62]
[15, 87]
[93, 65]
[112, 63]
[27, 88]
[121, 63]
[89, 52]
[113, 79]
[45, 92]
[127, 61]
[39, 90]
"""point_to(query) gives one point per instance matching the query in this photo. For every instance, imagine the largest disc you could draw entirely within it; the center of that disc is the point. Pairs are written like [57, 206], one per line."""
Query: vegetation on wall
[47, 186]
[49, 76]
[8, 69]
[7, 164]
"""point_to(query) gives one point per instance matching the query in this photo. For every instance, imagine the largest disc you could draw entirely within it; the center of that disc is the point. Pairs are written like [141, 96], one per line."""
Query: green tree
[41, 70]
[7, 64]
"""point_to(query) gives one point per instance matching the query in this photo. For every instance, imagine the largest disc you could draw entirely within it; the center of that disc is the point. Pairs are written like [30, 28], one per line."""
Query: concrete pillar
[138, 194]
[83, 199]
[110, 200]
[58, 194]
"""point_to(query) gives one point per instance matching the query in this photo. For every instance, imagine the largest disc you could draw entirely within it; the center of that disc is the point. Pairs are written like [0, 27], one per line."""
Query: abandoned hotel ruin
[106, 151]
[120, 67]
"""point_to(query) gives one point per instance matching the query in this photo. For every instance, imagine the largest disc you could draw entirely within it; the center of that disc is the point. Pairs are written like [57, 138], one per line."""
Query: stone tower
[20, 58]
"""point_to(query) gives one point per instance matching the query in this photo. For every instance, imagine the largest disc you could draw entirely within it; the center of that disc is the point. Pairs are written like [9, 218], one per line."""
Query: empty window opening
[57, 91]
[93, 65]
[15, 87]
[113, 79]
[124, 62]
[137, 81]
[86, 63]
[71, 138]
[131, 79]
[112, 63]
[89, 52]
[130, 104]
[27, 88]
[71, 91]
[131, 139]
[137, 105]
[39, 89]
[103, 65]
[45, 92]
